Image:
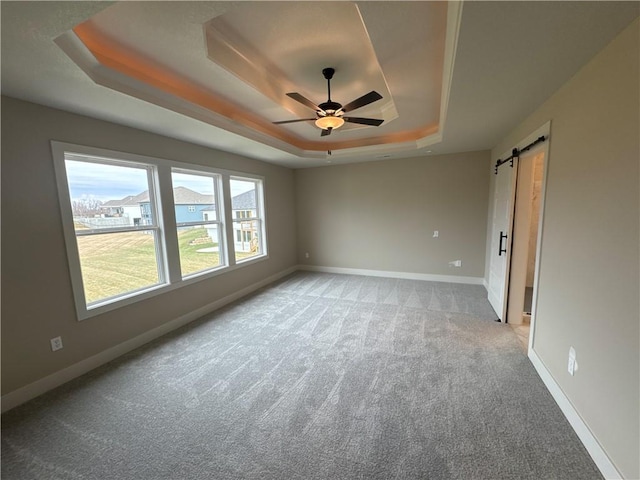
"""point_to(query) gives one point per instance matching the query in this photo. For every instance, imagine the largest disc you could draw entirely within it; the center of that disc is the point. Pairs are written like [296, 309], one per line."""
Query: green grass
[116, 263]
[192, 261]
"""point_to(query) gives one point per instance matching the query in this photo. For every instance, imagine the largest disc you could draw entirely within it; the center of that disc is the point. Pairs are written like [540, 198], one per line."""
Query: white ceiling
[510, 57]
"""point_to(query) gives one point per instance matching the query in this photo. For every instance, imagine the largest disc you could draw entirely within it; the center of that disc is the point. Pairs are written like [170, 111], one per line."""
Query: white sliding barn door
[502, 225]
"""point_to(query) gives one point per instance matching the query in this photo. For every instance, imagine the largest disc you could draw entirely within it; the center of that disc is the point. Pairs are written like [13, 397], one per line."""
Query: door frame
[546, 148]
[522, 225]
[544, 130]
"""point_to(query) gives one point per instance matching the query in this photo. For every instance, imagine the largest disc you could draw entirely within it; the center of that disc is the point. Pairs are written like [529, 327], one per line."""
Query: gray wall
[381, 215]
[589, 275]
[37, 301]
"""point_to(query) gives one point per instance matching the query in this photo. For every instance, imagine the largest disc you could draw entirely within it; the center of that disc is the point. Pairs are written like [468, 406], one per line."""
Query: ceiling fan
[331, 115]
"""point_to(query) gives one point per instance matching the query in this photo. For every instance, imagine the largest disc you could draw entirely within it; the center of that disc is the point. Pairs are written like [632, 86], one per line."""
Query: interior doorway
[525, 243]
[516, 243]
[525, 236]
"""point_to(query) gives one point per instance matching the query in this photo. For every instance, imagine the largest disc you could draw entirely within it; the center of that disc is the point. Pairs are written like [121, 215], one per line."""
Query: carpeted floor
[318, 376]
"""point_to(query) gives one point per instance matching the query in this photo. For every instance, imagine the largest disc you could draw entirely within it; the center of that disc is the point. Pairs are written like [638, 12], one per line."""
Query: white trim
[597, 453]
[543, 130]
[43, 385]
[32, 390]
[405, 275]
[546, 148]
[454, 20]
[167, 254]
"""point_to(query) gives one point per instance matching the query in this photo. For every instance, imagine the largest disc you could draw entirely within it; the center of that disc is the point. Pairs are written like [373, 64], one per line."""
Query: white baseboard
[405, 275]
[37, 388]
[43, 385]
[597, 453]
[28, 392]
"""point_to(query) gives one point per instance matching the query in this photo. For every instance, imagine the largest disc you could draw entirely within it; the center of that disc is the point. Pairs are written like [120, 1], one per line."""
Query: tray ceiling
[233, 70]
[453, 78]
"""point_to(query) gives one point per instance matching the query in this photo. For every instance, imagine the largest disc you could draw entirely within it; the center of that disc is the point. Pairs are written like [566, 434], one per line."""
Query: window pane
[244, 203]
[247, 240]
[193, 196]
[106, 196]
[194, 201]
[117, 263]
[199, 248]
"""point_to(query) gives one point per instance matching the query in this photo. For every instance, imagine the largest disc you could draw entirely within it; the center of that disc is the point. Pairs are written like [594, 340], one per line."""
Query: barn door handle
[501, 250]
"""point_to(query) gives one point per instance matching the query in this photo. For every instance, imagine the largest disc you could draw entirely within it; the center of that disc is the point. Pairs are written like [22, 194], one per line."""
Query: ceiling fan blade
[326, 132]
[364, 121]
[303, 100]
[370, 97]
[293, 121]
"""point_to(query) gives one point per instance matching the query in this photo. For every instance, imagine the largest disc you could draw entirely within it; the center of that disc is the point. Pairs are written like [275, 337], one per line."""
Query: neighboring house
[190, 206]
[127, 207]
[245, 232]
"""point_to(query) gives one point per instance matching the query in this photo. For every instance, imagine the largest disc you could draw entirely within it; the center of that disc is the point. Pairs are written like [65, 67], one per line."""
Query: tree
[86, 207]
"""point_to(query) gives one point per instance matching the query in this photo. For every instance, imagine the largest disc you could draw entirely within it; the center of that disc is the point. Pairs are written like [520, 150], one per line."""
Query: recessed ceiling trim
[240, 59]
[229, 49]
[118, 66]
[454, 18]
[154, 78]
[111, 56]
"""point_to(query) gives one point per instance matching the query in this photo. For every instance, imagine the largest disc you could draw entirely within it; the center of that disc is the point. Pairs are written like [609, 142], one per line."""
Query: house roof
[244, 201]
[186, 196]
[129, 200]
[181, 196]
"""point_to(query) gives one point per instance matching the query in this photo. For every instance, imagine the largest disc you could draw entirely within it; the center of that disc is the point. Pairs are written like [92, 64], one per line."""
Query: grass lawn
[116, 263]
[192, 261]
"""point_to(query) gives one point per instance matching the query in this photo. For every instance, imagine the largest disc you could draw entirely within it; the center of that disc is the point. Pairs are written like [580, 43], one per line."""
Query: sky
[112, 182]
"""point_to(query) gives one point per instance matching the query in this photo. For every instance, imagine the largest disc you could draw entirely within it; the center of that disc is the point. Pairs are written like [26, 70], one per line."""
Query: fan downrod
[329, 104]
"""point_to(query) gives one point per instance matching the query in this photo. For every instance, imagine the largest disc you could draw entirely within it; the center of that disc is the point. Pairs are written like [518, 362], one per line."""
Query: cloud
[104, 182]
[198, 183]
[113, 182]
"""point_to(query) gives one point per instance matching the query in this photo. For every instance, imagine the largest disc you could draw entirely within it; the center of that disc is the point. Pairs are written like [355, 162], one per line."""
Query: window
[248, 223]
[122, 253]
[123, 247]
[198, 240]
[245, 235]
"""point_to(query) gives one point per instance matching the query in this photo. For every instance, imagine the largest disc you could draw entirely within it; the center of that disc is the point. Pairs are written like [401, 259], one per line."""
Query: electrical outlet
[436, 234]
[455, 263]
[306, 255]
[56, 344]
[572, 363]
[572, 366]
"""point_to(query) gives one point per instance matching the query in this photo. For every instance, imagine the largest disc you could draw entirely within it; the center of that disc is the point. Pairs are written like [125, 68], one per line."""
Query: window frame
[259, 217]
[155, 214]
[166, 219]
[218, 201]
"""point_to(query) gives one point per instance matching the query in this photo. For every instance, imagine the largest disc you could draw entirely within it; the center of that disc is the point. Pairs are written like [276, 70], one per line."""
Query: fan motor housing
[328, 72]
[335, 106]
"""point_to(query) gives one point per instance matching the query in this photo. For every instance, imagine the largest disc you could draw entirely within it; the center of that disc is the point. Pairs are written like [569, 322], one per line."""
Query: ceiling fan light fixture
[330, 114]
[329, 121]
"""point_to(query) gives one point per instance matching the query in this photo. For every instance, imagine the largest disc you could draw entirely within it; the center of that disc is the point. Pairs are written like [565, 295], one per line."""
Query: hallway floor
[522, 331]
